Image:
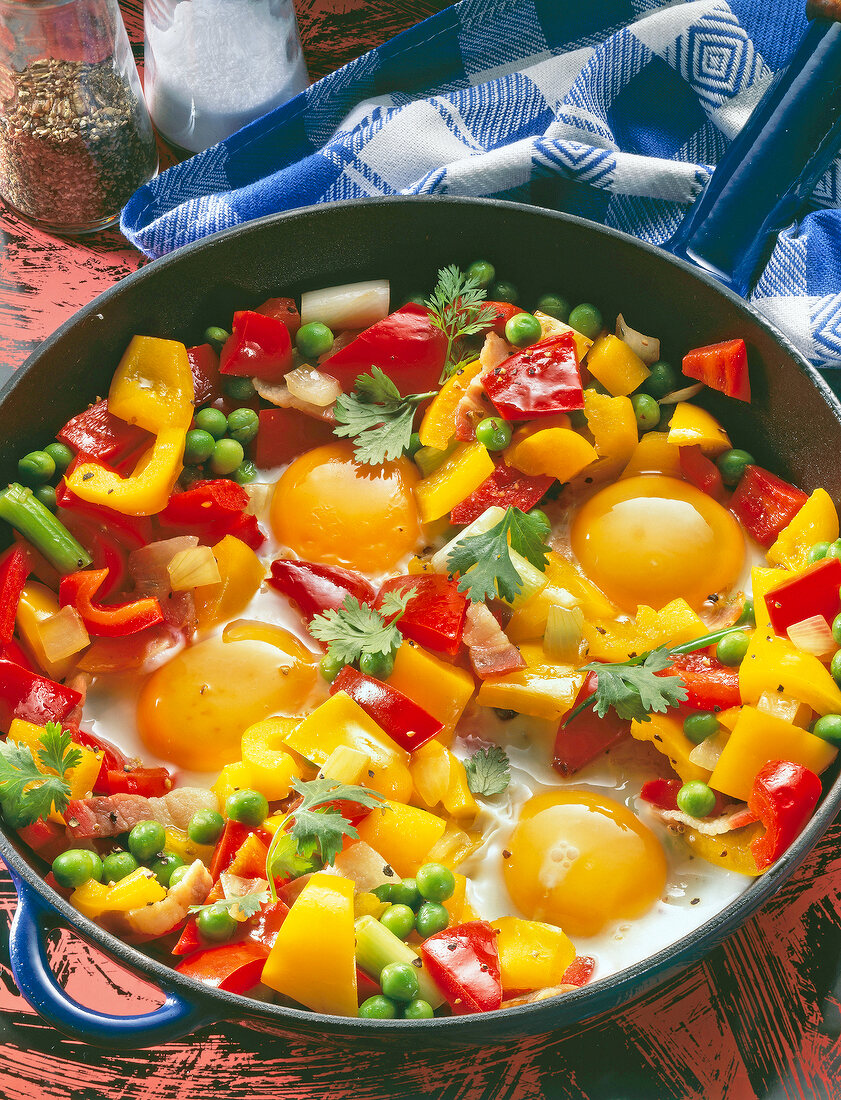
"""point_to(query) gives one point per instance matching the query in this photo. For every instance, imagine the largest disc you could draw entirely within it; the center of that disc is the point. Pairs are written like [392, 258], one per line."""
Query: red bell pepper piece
[229, 843]
[264, 927]
[579, 971]
[11, 651]
[538, 381]
[701, 471]
[258, 347]
[14, 570]
[47, 838]
[722, 367]
[406, 723]
[764, 504]
[661, 793]
[710, 684]
[235, 967]
[406, 345]
[783, 798]
[109, 555]
[112, 758]
[282, 309]
[149, 782]
[504, 311]
[815, 591]
[365, 986]
[316, 588]
[283, 434]
[115, 621]
[34, 698]
[504, 488]
[97, 434]
[213, 509]
[207, 381]
[130, 531]
[586, 736]
[435, 614]
[464, 963]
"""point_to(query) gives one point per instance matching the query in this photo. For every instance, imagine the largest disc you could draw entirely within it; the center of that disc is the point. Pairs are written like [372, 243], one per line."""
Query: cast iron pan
[793, 426]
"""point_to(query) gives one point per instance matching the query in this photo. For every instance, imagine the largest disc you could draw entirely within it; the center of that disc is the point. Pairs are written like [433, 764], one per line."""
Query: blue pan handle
[31, 970]
[772, 165]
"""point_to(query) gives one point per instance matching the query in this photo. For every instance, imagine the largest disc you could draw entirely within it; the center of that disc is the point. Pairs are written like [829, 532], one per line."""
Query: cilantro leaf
[488, 771]
[28, 793]
[292, 858]
[377, 418]
[634, 690]
[484, 561]
[356, 628]
[456, 307]
[56, 752]
[241, 908]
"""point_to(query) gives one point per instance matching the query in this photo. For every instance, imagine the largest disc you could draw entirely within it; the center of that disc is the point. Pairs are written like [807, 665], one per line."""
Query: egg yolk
[192, 711]
[580, 861]
[329, 508]
[650, 539]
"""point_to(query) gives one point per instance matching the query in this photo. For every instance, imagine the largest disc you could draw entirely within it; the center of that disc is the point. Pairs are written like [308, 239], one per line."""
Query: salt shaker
[211, 66]
[75, 136]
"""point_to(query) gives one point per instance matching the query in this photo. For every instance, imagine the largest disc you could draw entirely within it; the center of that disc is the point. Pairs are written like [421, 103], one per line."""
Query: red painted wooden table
[761, 1017]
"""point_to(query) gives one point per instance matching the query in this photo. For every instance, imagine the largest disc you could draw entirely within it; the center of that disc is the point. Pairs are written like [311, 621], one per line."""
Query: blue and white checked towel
[616, 110]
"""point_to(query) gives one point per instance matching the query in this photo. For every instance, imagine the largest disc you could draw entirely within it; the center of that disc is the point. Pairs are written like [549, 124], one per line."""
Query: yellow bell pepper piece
[313, 960]
[619, 369]
[531, 955]
[731, 851]
[551, 326]
[774, 664]
[654, 455]
[430, 770]
[458, 801]
[439, 420]
[368, 905]
[403, 835]
[266, 766]
[817, 521]
[341, 721]
[456, 478]
[242, 573]
[440, 688]
[233, 777]
[80, 779]
[564, 586]
[763, 581]
[179, 842]
[455, 902]
[781, 706]
[556, 452]
[759, 737]
[454, 846]
[614, 640]
[132, 892]
[692, 426]
[666, 735]
[613, 424]
[152, 387]
[37, 603]
[542, 689]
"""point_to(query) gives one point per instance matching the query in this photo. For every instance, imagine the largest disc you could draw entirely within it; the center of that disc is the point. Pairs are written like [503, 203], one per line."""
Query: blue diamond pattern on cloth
[716, 57]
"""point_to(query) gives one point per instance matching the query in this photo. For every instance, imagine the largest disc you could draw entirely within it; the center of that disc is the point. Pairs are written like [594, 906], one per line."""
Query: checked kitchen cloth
[616, 110]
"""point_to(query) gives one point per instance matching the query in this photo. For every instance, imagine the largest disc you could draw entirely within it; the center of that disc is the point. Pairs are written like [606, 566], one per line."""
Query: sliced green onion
[47, 534]
[428, 459]
[563, 637]
[376, 947]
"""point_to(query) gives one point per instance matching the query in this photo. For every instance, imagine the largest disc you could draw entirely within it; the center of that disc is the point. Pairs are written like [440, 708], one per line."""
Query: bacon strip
[491, 653]
[111, 815]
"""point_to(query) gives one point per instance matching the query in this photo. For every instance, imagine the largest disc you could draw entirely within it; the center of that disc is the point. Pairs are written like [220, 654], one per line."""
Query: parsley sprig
[317, 824]
[633, 688]
[377, 418]
[26, 791]
[488, 771]
[484, 561]
[240, 908]
[356, 629]
[456, 307]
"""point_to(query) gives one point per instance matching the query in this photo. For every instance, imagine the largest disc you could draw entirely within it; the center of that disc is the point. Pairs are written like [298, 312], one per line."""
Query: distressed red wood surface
[760, 1018]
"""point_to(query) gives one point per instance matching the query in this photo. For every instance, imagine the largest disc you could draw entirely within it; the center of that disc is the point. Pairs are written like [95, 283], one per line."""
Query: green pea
[696, 799]
[378, 665]
[61, 455]
[378, 1008]
[146, 839]
[405, 893]
[503, 291]
[836, 629]
[834, 550]
[835, 667]
[313, 340]
[330, 667]
[435, 882]
[75, 867]
[384, 891]
[482, 273]
[46, 494]
[538, 513]
[97, 867]
[493, 433]
[432, 917]
[818, 552]
[247, 806]
[700, 725]
[245, 473]
[399, 981]
[554, 305]
[36, 468]
[399, 920]
[414, 445]
[226, 457]
[662, 379]
[578, 418]
[215, 924]
[242, 425]
[117, 865]
[212, 421]
[164, 865]
[732, 465]
[587, 319]
[238, 389]
[732, 648]
[828, 728]
[205, 826]
[215, 336]
[646, 410]
[418, 1009]
[748, 615]
[178, 874]
[198, 447]
[523, 329]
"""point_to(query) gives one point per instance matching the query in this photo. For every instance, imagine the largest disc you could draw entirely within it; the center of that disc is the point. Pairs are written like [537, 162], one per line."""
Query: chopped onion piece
[646, 347]
[563, 637]
[259, 495]
[235, 886]
[686, 394]
[354, 305]
[313, 386]
[283, 397]
[62, 634]
[715, 826]
[148, 565]
[812, 635]
[193, 568]
[786, 707]
[706, 754]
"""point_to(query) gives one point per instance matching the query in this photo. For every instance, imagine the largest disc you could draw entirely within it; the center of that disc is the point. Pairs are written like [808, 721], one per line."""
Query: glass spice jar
[75, 137]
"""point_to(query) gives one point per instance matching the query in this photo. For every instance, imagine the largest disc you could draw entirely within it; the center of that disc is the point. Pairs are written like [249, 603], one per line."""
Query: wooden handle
[823, 9]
